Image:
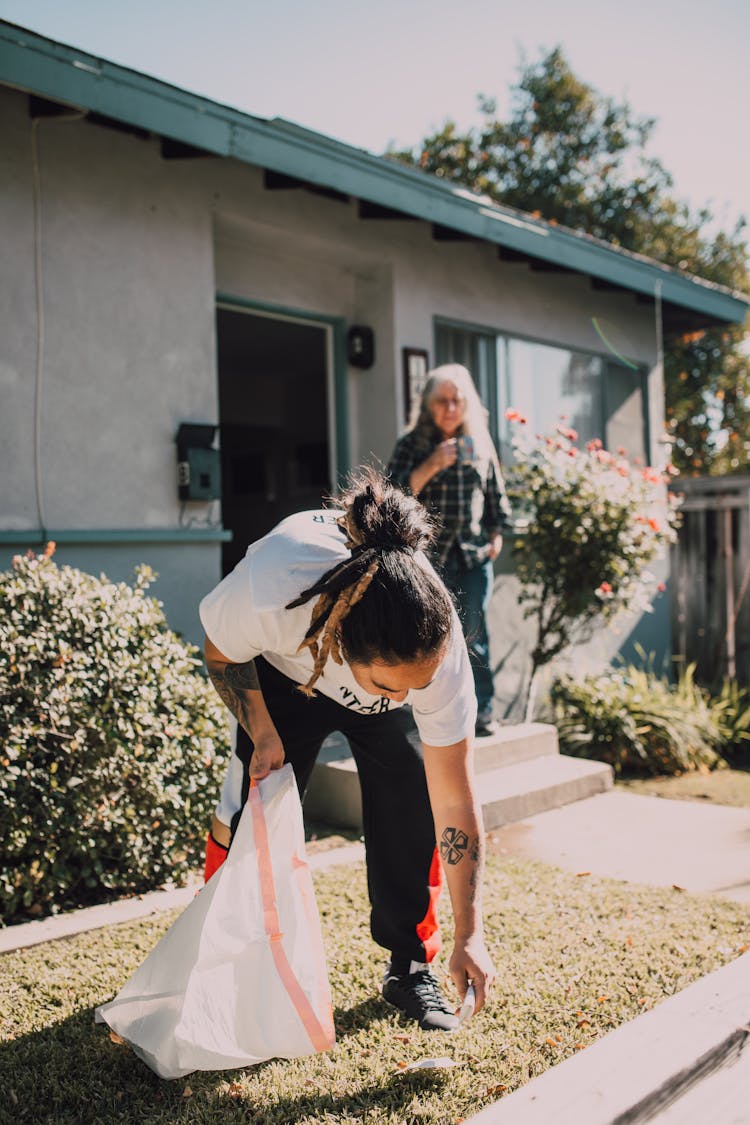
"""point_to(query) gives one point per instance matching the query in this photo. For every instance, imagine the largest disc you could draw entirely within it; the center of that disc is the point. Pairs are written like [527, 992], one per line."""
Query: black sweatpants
[403, 868]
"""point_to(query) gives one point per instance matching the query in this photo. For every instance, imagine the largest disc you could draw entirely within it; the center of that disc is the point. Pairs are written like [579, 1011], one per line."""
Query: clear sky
[370, 72]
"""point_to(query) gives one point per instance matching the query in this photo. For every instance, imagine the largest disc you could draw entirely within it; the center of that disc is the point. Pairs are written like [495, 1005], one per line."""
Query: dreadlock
[407, 611]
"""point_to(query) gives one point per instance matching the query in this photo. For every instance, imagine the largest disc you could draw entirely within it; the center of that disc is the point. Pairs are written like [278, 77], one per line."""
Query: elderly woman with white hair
[448, 460]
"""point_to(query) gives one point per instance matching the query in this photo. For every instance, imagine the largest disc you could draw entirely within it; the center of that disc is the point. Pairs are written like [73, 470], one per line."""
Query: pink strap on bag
[318, 1037]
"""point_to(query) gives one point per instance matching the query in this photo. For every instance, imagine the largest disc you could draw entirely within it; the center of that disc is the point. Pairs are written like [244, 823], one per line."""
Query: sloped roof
[64, 74]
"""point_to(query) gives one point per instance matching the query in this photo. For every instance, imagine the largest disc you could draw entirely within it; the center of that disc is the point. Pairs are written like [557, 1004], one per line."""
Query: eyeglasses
[448, 402]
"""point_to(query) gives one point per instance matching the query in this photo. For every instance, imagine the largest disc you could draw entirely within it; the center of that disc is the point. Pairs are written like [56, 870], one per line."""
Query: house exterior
[170, 262]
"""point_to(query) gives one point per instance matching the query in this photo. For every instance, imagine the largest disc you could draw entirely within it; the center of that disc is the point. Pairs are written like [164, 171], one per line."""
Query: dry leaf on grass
[116, 1038]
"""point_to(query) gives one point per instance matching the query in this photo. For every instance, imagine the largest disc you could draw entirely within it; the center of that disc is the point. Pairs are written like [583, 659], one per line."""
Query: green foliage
[638, 722]
[732, 707]
[570, 156]
[595, 523]
[576, 958]
[111, 742]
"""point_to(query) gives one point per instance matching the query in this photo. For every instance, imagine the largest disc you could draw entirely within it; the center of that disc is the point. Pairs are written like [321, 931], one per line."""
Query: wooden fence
[711, 578]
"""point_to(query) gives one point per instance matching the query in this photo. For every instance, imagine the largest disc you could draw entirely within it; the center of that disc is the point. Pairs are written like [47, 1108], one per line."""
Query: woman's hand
[444, 455]
[495, 547]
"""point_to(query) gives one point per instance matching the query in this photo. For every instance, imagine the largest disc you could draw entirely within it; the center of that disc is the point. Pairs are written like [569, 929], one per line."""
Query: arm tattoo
[242, 677]
[453, 845]
[231, 682]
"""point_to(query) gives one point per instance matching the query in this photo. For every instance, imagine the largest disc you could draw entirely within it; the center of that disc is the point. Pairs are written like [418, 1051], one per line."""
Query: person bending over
[332, 622]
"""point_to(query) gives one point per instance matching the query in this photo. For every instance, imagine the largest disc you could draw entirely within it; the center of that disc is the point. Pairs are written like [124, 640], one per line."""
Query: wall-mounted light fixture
[360, 346]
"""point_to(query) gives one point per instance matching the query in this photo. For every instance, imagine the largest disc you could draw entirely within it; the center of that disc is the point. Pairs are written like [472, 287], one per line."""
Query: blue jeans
[472, 590]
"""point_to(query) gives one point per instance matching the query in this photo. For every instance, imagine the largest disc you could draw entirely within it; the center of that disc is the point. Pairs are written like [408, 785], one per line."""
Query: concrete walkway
[700, 848]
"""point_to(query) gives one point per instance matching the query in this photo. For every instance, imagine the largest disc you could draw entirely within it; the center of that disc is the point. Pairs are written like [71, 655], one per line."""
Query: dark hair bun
[383, 517]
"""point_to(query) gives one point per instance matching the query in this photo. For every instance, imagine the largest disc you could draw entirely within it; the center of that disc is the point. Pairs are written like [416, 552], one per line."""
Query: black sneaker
[486, 726]
[418, 996]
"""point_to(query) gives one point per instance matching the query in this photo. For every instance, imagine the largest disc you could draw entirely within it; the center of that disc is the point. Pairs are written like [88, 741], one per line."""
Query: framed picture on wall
[416, 366]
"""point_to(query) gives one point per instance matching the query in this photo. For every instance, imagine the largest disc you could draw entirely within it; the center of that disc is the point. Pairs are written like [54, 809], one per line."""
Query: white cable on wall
[39, 292]
[658, 312]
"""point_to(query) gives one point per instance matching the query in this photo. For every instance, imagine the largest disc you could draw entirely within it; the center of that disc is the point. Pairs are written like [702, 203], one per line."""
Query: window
[595, 395]
[477, 351]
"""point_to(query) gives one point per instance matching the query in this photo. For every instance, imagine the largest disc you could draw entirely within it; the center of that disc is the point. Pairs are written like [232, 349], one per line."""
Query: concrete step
[512, 744]
[513, 793]
[519, 772]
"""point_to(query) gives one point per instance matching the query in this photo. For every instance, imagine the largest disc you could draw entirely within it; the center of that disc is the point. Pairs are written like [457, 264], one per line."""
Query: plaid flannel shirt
[468, 499]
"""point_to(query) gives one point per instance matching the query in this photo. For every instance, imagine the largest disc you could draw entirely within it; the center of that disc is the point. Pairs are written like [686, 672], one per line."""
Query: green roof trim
[53, 70]
[105, 536]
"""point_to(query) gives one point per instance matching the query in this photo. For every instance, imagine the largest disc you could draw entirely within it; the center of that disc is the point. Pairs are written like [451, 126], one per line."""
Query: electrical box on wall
[198, 463]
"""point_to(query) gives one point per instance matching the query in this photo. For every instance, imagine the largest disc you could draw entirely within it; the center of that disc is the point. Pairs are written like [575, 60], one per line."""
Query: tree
[571, 156]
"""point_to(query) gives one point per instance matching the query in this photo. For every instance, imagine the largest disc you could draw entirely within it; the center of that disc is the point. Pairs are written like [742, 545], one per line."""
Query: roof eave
[44, 67]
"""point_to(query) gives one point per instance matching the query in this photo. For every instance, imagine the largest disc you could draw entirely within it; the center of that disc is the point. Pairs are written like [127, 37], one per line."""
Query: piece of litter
[466, 1011]
[432, 1064]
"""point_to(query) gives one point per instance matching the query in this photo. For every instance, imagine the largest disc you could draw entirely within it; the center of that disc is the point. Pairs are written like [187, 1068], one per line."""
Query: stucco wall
[134, 249]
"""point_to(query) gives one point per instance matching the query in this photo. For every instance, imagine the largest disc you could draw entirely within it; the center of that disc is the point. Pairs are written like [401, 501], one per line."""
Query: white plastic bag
[240, 977]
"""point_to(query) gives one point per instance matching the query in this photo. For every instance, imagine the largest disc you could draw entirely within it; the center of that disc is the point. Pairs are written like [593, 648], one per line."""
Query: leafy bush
[111, 741]
[638, 722]
[733, 710]
[595, 523]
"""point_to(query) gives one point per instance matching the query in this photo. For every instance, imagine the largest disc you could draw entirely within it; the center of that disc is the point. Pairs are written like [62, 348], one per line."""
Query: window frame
[497, 391]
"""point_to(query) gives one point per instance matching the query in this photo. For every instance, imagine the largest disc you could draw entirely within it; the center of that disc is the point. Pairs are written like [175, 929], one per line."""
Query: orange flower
[512, 415]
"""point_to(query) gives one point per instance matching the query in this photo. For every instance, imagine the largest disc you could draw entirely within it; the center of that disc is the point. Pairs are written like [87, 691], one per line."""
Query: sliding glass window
[593, 394]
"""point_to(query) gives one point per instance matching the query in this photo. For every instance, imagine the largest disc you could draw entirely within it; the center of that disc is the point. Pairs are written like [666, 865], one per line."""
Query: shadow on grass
[350, 1021]
[71, 1073]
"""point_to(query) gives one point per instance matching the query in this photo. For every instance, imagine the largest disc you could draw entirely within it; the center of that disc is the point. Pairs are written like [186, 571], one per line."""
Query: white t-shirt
[244, 617]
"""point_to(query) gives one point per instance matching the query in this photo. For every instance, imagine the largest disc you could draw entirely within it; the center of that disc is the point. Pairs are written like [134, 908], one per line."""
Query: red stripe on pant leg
[428, 930]
[215, 856]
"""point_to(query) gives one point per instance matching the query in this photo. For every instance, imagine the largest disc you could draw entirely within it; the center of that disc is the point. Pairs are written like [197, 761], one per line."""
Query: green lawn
[720, 787]
[576, 957]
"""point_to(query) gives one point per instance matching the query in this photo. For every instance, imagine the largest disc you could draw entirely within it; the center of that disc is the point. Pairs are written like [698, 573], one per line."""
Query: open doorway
[274, 421]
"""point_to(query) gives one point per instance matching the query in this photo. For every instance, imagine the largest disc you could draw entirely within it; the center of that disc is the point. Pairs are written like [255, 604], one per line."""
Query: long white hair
[475, 413]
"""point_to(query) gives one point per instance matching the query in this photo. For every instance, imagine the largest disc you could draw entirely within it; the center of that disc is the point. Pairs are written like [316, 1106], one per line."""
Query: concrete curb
[59, 926]
[640, 1070]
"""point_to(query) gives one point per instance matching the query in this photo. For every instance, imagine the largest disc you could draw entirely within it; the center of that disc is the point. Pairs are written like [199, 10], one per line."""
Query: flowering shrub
[595, 523]
[111, 742]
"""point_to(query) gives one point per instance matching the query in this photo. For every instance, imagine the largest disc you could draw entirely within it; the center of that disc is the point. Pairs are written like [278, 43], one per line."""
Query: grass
[576, 957]
[720, 787]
